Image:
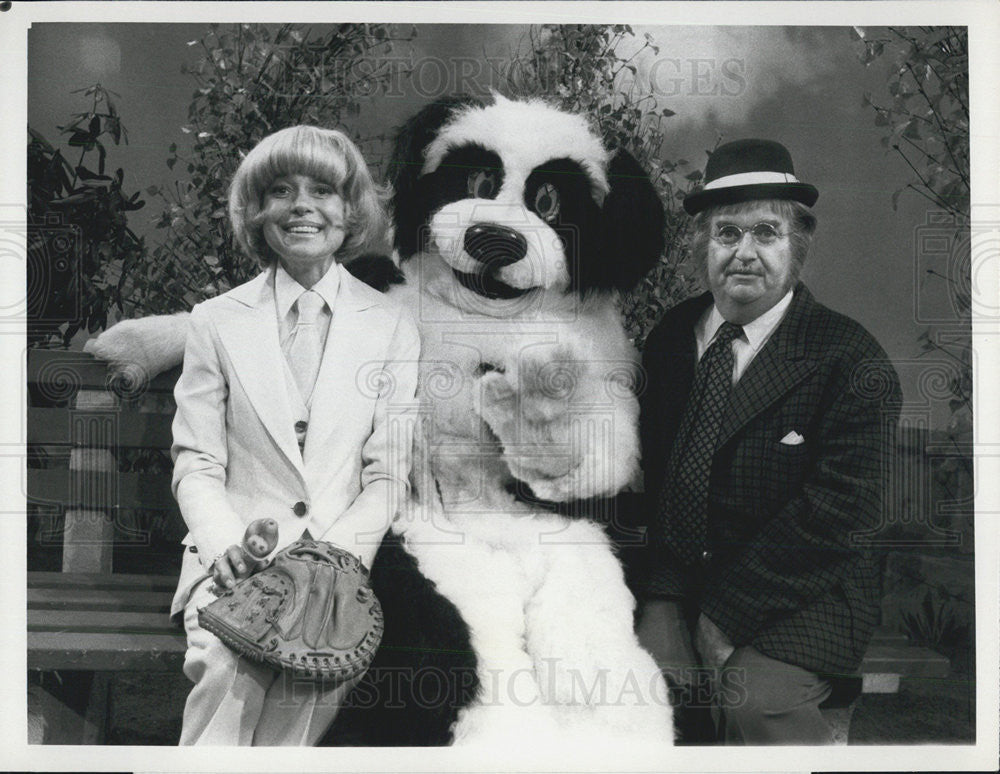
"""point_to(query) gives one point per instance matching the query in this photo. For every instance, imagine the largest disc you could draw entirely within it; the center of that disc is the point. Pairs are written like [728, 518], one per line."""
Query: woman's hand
[234, 564]
[241, 560]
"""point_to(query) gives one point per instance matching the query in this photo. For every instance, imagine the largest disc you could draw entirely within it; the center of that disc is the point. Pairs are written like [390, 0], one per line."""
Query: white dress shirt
[754, 337]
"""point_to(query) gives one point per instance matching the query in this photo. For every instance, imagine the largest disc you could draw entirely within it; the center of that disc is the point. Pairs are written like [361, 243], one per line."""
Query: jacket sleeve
[200, 448]
[798, 554]
[386, 454]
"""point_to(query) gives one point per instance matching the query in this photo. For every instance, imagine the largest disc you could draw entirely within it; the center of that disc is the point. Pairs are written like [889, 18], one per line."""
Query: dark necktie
[684, 500]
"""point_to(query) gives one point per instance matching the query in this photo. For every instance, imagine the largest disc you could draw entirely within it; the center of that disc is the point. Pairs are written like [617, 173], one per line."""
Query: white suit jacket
[236, 458]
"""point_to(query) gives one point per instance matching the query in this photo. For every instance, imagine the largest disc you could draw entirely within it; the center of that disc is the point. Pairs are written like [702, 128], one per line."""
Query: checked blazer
[782, 567]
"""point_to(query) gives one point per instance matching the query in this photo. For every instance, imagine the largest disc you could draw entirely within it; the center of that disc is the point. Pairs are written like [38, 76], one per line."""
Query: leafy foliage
[251, 81]
[933, 623]
[80, 247]
[927, 122]
[583, 68]
[927, 125]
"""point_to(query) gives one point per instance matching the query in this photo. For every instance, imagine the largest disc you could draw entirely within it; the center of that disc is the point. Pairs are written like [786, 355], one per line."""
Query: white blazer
[236, 458]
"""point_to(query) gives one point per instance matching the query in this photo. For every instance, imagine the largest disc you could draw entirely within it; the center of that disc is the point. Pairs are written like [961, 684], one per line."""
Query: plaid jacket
[783, 569]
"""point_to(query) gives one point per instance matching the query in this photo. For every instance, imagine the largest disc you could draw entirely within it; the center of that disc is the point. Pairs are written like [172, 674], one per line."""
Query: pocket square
[793, 439]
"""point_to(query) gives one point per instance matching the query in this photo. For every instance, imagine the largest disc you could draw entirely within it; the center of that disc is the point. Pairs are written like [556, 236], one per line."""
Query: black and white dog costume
[508, 622]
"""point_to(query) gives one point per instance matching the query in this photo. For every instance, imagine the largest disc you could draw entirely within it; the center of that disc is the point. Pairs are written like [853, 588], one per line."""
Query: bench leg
[95, 719]
[72, 709]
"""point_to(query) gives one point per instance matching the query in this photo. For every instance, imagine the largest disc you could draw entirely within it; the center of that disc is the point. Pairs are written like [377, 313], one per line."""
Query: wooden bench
[890, 656]
[85, 621]
[88, 622]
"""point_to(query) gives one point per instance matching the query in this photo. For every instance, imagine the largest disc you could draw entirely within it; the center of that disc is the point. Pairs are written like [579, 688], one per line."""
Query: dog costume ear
[404, 168]
[633, 222]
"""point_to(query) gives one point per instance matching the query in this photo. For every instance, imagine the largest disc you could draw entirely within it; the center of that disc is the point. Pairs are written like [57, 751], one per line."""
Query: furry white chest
[541, 400]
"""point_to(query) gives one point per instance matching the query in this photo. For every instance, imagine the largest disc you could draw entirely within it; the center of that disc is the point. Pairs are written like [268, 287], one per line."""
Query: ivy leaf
[79, 139]
[85, 174]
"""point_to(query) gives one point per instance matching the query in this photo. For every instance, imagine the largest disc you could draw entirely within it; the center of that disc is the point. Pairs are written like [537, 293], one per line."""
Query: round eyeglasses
[731, 235]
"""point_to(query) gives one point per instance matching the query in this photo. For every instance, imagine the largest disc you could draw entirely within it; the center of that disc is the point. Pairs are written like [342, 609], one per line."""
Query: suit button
[300, 426]
[299, 509]
[706, 556]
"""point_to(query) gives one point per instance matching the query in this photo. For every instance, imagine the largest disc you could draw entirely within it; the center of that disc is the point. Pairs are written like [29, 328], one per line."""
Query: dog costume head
[520, 200]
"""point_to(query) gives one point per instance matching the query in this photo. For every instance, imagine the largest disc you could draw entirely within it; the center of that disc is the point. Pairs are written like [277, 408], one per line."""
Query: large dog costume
[507, 618]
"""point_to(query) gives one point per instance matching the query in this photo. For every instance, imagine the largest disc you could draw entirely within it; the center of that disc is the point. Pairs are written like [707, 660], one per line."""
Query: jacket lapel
[251, 340]
[343, 378]
[777, 368]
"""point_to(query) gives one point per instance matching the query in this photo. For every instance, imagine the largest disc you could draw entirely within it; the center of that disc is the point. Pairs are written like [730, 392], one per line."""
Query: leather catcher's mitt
[312, 610]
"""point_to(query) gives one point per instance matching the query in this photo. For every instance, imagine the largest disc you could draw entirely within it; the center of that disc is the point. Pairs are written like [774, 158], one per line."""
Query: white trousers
[237, 701]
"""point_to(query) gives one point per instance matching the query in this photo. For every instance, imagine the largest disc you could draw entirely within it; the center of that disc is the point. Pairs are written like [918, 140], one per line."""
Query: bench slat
[139, 622]
[885, 636]
[908, 660]
[134, 490]
[58, 370]
[105, 652]
[129, 429]
[86, 580]
[101, 600]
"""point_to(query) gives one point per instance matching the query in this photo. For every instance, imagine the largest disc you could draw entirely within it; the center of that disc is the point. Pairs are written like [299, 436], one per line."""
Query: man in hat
[766, 422]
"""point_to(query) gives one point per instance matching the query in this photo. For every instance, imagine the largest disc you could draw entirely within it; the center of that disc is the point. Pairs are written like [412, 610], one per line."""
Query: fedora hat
[744, 170]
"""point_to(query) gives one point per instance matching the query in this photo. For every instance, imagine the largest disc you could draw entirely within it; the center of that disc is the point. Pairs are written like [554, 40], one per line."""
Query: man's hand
[234, 565]
[712, 645]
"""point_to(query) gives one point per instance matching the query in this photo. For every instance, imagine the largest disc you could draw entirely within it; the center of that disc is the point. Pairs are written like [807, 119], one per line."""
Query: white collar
[757, 331]
[287, 290]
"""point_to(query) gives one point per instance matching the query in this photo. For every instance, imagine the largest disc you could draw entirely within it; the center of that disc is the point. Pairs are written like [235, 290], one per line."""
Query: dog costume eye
[547, 202]
[483, 184]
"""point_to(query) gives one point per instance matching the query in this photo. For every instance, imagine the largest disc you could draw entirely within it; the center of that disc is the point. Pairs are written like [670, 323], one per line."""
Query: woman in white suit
[295, 403]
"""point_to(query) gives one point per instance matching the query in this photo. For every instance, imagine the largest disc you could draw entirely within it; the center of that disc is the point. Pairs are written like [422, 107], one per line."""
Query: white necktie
[306, 350]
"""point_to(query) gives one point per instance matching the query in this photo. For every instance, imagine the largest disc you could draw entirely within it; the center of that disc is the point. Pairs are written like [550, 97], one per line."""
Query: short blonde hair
[323, 154]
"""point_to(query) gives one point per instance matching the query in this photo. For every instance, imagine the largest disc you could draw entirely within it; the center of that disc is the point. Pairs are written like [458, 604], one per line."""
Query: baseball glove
[311, 611]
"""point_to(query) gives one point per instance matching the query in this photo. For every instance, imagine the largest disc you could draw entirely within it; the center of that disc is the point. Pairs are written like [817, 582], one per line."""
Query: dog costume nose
[495, 246]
